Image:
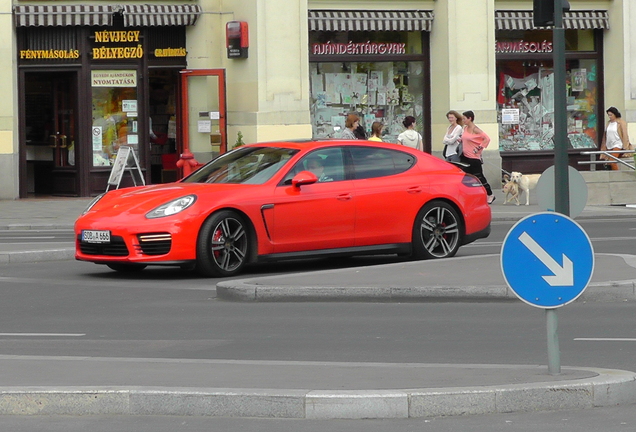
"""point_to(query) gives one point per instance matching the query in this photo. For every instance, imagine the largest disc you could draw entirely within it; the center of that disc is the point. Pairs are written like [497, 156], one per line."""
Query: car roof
[308, 144]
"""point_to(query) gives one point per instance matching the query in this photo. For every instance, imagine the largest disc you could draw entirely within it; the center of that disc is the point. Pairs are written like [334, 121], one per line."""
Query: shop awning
[572, 20]
[102, 15]
[160, 15]
[375, 20]
[63, 15]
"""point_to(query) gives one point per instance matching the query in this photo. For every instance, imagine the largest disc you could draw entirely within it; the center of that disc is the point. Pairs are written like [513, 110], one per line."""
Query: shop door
[203, 102]
[50, 118]
[163, 87]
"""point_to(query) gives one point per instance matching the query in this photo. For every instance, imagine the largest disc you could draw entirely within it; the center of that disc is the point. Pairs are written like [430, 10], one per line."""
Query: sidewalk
[313, 390]
[316, 390]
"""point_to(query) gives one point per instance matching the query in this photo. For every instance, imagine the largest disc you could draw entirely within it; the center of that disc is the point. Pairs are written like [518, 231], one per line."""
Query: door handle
[344, 197]
[63, 139]
[53, 141]
[414, 189]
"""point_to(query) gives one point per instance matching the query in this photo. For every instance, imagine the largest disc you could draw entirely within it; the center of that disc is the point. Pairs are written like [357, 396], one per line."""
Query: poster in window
[510, 116]
[579, 80]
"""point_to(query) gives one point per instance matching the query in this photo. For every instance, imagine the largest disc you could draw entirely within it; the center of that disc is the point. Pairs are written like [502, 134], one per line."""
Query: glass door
[50, 118]
[115, 114]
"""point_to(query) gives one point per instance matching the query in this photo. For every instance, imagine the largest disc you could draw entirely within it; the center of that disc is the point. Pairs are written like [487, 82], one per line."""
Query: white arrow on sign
[563, 275]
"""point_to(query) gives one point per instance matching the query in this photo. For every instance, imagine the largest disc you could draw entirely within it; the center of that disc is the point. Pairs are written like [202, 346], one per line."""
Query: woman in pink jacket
[474, 141]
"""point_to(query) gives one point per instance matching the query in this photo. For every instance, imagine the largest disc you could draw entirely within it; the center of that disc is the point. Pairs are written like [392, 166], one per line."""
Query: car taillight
[471, 181]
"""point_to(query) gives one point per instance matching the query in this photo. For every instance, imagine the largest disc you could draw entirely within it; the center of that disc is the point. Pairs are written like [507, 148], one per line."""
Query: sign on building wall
[113, 78]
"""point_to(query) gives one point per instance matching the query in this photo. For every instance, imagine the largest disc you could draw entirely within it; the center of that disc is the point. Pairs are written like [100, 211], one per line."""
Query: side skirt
[397, 248]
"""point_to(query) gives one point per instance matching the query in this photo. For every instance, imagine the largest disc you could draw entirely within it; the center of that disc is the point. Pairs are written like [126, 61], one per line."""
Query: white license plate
[93, 236]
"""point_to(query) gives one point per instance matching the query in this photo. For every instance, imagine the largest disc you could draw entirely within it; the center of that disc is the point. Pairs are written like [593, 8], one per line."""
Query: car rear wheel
[126, 268]
[437, 231]
[223, 245]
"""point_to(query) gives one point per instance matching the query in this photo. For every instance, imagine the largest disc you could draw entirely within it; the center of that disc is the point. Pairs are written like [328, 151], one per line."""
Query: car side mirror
[304, 178]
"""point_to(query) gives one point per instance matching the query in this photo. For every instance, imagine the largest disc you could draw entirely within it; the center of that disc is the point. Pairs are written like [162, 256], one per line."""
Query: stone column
[9, 172]
[464, 72]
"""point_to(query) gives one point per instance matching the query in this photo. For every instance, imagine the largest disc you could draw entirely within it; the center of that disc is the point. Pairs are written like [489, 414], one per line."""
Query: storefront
[372, 63]
[93, 78]
[525, 83]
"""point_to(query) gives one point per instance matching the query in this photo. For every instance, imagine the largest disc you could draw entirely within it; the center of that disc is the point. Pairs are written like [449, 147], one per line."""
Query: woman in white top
[410, 137]
[615, 137]
[453, 136]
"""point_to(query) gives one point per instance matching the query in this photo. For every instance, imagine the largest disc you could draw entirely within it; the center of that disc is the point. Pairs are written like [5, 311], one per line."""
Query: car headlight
[92, 203]
[173, 207]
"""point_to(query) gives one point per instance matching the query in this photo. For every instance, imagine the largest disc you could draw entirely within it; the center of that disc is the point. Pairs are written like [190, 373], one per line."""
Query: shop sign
[107, 36]
[351, 48]
[48, 54]
[114, 78]
[122, 36]
[237, 39]
[522, 47]
[170, 52]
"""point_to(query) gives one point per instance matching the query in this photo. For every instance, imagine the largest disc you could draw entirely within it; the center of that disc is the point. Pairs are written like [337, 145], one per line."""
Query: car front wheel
[223, 245]
[437, 231]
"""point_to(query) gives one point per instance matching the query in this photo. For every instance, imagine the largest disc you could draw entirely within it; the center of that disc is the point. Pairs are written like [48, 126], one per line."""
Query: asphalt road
[69, 308]
[72, 308]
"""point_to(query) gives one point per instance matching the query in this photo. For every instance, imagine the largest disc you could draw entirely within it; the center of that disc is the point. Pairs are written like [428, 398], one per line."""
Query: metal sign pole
[554, 355]
[561, 179]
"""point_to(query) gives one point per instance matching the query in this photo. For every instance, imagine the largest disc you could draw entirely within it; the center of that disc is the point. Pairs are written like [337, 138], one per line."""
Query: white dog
[525, 182]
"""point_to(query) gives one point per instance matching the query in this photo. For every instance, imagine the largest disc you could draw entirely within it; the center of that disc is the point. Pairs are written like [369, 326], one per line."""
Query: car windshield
[246, 165]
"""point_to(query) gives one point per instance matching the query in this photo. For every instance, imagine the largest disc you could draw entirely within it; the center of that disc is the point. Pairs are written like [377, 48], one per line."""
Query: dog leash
[503, 170]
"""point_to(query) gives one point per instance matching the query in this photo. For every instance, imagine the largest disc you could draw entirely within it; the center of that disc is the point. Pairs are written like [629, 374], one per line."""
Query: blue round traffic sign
[547, 260]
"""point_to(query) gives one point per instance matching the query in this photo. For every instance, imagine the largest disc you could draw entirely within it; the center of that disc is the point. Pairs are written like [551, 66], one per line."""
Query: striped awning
[572, 20]
[160, 15]
[374, 20]
[102, 15]
[63, 15]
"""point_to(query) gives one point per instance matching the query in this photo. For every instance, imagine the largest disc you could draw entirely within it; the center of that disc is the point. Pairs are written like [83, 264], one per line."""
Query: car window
[247, 165]
[370, 162]
[328, 165]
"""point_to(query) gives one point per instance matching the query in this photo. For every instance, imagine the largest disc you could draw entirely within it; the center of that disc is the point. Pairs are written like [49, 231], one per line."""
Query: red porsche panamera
[284, 200]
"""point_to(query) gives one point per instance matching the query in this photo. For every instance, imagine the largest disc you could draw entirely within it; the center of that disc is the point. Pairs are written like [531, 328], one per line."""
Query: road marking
[606, 339]
[44, 334]
[480, 243]
[27, 238]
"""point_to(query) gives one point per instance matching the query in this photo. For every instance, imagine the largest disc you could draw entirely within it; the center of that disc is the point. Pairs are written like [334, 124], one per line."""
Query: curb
[609, 388]
[37, 255]
[251, 290]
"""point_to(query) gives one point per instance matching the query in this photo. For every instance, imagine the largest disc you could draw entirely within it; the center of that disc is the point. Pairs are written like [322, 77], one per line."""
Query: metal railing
[611, 158]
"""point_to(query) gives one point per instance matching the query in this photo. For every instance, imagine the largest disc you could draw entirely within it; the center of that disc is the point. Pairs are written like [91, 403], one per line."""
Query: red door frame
[187, 160]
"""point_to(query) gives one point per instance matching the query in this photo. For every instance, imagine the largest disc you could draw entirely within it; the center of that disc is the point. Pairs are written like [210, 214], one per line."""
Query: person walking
[410, 137]
[351, 124]
[453, 137]
[615, 136]
[474, 141]
[376, 131]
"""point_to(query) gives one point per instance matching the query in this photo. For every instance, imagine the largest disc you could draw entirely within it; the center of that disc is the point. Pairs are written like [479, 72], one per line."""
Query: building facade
[86, 78]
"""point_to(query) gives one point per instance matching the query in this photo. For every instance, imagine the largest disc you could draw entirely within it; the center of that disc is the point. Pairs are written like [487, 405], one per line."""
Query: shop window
[115, 114]
[526, 104]
[377, 91]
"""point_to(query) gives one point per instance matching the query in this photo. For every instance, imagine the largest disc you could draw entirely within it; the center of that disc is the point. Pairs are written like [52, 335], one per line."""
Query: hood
[141, 200]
